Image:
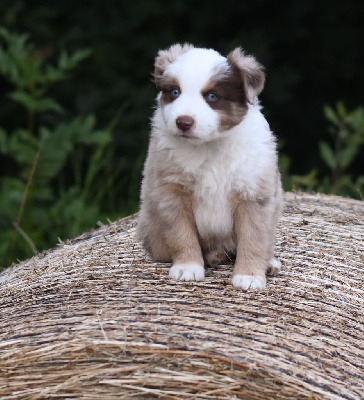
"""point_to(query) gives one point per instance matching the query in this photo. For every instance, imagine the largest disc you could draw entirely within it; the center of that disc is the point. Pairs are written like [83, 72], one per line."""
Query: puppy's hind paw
[187, 272]
[274, 267]
[247, 282]
[214, 258]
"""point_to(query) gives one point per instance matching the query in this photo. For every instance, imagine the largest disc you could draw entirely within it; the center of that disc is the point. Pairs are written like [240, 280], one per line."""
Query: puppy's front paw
[187, 272]
[246, 282]
[274, 267]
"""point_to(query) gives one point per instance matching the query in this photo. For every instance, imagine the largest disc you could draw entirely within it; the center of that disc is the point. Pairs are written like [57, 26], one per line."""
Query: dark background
[312, 51]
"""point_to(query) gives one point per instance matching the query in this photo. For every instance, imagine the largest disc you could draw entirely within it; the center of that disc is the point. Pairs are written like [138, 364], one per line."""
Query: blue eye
[211, 97]
[175, 93]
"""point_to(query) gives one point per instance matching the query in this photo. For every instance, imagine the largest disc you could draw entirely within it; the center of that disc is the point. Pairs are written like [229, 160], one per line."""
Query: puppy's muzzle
[185, 122]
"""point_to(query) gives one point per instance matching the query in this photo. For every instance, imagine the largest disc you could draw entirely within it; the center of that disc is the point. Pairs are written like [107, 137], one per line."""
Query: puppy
[211, 187]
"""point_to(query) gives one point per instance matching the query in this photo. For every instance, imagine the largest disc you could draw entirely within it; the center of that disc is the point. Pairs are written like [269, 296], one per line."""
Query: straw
[95, 318]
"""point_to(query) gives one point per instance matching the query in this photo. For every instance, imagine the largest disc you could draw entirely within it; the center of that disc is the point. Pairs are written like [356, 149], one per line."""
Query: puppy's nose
[184, 122]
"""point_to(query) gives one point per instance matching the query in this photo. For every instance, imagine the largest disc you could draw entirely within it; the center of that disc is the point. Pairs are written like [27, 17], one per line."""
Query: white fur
[187, 272]
[246, 282]
[275, 267]
[200, 183]
[216, 175]
[193, 69]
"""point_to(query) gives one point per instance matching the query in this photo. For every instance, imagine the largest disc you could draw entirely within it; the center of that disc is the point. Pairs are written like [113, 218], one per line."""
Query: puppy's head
[203, 94]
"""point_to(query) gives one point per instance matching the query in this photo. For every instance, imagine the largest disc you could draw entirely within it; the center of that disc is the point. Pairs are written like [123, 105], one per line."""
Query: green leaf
[347, 156]
[11, 193]
[79, 56]
[327, 154]
[72, 215]
[5, 34]
[307, 181]
[56, 146]
[331, 116]
[9, 68]
[48, 104]
[31, 103]
[30, 69]
[341, 110]
[97, 161]
[3, 141]
[67, 62]
[23, 148]
[284, 163]
[53, 74]
[84, 129]
[356, 121]
[63, 60]
[23, 98]
[14, 57]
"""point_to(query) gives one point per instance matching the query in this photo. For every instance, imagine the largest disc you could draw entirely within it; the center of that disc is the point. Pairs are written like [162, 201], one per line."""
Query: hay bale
[94, 318]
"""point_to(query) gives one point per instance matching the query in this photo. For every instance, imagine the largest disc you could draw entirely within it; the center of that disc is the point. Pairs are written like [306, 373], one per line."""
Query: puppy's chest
[213, 191]
[214, 179]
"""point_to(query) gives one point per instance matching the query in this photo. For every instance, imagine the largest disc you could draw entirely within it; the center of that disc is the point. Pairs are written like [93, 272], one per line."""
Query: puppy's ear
[251, 72]
[166, 57]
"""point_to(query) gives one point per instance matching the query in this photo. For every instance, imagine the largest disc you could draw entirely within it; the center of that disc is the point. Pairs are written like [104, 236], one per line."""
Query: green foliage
[338, 154]
[61, 172]
[26, 70]
[125, 37]
[58, 169]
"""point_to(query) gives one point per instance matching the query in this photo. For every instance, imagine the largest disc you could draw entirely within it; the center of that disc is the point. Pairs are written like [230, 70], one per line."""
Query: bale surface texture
[95, 318]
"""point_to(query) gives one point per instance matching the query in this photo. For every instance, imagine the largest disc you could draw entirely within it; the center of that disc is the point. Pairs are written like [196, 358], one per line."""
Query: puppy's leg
[154, 243]
[180, 236]
[182, 240]
[274, 265]
[150, 234]
[254, 224]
